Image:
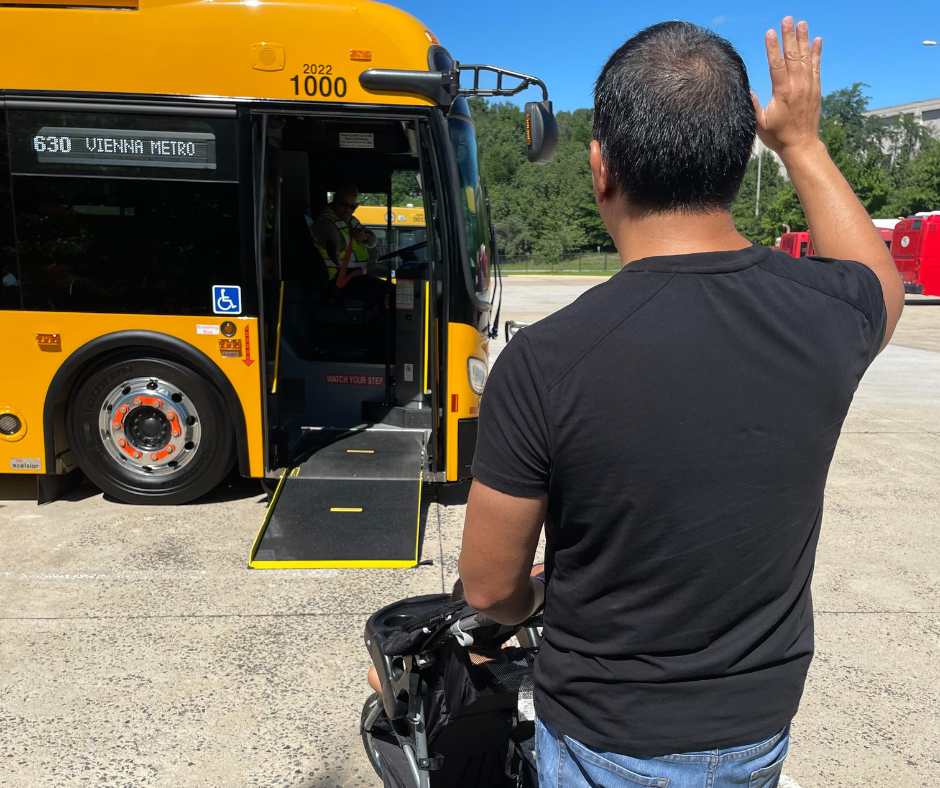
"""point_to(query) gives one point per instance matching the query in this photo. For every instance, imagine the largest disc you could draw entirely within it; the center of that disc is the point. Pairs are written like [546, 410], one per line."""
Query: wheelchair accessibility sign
[226, 299]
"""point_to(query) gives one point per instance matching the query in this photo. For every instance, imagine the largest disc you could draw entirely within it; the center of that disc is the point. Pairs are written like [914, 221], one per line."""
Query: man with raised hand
[673, 429]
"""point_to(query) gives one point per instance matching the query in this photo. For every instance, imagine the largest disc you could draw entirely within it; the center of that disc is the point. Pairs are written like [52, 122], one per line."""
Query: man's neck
[664, 234]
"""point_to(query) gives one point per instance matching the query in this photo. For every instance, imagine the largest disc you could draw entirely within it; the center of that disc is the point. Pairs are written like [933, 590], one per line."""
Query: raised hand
[791, 118]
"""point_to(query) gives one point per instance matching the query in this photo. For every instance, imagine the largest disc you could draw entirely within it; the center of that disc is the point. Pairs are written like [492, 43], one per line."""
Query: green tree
[544, 210]
[845, 108]
[785, 211]
[918, 183]
[743, 210]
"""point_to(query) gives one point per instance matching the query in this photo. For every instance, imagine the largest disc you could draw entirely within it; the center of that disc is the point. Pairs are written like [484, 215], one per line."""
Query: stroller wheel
[369, 715]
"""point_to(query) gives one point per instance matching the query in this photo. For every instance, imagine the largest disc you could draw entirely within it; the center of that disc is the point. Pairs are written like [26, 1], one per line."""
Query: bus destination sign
[117, 147]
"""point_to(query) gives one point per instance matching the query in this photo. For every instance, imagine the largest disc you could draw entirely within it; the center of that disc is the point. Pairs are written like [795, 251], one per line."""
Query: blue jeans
[566, 763]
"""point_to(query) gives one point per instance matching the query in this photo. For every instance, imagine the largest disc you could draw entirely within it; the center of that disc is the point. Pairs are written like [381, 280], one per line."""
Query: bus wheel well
[128, 343]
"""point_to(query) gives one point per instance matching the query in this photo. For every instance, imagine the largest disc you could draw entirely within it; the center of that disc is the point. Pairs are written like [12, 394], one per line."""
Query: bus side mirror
[541, 132]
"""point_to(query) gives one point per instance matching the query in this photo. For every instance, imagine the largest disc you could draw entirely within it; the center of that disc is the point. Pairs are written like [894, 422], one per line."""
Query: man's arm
[789, 126]
[500, 536]
[327, 235]
[362, 234]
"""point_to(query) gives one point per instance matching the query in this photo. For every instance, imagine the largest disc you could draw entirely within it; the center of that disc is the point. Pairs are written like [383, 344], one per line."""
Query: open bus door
[350, 395]
[354, 412]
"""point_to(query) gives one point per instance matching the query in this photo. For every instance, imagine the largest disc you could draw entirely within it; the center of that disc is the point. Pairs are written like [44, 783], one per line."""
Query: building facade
[926, 112]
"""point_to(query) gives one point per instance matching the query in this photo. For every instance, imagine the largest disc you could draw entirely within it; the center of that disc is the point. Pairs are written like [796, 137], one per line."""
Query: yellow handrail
[277, 346]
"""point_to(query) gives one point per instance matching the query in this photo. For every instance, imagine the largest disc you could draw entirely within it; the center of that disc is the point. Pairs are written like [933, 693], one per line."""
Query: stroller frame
[401, 696]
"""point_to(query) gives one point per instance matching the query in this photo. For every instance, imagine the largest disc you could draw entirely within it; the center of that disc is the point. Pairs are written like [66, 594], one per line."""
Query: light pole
[760, 158]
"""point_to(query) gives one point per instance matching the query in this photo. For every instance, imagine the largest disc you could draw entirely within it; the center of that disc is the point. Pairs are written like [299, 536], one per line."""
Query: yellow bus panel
[32, 359]
[377, 216]
[463, 341]
[299, 50]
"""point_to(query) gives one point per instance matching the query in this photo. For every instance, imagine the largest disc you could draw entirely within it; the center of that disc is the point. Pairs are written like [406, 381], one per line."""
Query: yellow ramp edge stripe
[360, 451]
[345, 509]
[267, 518]
[418, 528]
[364, 564]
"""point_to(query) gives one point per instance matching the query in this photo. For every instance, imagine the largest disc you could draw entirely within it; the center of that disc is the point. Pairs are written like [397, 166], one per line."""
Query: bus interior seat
[318, 320]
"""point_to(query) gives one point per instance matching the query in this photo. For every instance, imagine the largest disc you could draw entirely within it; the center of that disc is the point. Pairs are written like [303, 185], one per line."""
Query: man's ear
[600, 175]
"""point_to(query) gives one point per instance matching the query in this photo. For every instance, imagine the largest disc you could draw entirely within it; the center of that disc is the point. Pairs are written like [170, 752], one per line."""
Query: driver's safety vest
[358, 254]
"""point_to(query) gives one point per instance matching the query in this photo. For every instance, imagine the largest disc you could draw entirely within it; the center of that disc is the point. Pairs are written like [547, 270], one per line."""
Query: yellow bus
[164, 311]
[403, 227]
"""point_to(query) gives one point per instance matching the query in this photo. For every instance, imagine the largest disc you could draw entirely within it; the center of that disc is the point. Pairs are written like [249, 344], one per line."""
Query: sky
[565, 43]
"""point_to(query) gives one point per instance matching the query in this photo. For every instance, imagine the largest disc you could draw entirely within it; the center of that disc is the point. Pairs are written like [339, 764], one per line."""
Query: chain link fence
[571, 263]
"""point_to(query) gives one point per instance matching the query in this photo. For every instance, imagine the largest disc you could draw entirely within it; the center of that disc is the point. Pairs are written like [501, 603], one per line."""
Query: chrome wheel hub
[150, 426]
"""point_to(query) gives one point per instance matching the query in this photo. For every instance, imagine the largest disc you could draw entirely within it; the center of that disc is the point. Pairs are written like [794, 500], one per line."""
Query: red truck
[916, 252]
[800, 244]
[797, 244]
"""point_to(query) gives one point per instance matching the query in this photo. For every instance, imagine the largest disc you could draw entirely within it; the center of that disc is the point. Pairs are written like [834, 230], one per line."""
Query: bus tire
[150, 431]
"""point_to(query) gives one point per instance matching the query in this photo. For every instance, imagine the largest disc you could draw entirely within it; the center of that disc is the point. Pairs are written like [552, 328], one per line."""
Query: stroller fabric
[470, 705]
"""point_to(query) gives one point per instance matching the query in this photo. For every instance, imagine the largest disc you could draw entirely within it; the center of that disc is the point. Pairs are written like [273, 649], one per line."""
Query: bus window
[473, 202]
[381, 246]
[140, 247]
[136, 214]
[9, 271]
[802, 248]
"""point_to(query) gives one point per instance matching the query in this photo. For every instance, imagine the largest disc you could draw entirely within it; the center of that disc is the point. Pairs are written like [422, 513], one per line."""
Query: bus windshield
[473, 201]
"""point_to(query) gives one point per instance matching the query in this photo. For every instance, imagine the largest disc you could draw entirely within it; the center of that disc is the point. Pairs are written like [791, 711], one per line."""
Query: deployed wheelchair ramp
[352, 498]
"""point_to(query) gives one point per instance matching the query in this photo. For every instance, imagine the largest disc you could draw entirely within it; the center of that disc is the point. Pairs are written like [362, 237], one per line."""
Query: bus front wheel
[150, 431]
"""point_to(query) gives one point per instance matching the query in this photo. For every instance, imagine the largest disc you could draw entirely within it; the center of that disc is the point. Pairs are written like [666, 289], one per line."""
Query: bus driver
[341, 240]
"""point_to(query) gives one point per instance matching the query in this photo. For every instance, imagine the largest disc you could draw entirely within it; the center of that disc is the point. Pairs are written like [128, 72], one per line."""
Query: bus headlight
[476, 372]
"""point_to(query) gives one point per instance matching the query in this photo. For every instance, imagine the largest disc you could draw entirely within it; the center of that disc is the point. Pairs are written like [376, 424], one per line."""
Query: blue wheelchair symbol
[226, 299]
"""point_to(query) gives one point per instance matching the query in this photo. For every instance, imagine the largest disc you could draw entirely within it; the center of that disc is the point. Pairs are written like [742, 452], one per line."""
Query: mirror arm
[499, 90]
[444, 86]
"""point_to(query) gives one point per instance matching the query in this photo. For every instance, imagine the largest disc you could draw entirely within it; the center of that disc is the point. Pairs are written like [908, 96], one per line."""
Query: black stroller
[455, 708]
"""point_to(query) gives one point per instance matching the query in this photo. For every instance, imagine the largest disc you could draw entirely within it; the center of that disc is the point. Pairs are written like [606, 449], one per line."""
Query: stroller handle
[394, 667]
[461, 629]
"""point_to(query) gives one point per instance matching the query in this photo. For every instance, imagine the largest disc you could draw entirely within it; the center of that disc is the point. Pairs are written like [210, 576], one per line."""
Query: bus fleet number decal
[318, 80]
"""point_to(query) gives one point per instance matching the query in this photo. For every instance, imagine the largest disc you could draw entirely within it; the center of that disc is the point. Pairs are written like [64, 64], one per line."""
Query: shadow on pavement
[232, 488]
[19, 487]
[84, 490]
[454, 493]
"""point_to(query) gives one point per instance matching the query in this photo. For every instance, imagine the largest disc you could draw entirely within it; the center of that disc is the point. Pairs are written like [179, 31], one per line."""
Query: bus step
[350, 499]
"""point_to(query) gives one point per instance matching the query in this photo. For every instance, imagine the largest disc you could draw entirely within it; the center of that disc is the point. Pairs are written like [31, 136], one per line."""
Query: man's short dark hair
[674, 118]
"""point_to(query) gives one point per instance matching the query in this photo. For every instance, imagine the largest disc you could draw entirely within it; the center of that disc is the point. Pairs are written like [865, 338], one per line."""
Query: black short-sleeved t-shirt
[682, 418]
